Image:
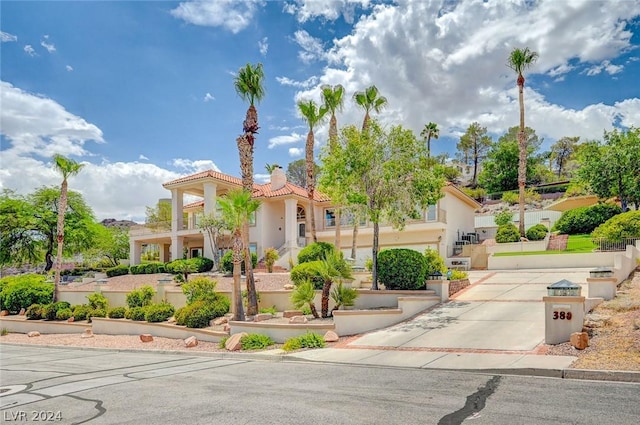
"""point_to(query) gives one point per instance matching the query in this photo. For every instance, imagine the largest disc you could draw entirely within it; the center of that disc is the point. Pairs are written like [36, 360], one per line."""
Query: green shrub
[117, 313]
[270, 257]
[343, 296]
[585, 219]
[531, 196]
[98, 312]
[117, 271]
[510, 198]
[226, 263]
[148, 268]
[18, 292]
[402, 269]
[64, 314]
[306, 310]
[98, 301]
[273, 310]
[368, 264]
[255, 342]
[199, 313]
[304, 295]
[503, 218]
[198, 289]
[81, 312]
[308, 340]
[140, 297]
[314, 252]
[625, 225]
[435, 263]
[537, 232]
[308, 271]
[508, 233]
[136, 313]
[458, 275]
[50, 311]
[34, 312]
[223, 342]
[204, 264]
[478, 193]
[159, 312]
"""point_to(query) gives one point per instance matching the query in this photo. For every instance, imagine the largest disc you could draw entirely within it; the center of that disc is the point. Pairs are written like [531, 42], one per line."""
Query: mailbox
[564, 288]
[564, 311]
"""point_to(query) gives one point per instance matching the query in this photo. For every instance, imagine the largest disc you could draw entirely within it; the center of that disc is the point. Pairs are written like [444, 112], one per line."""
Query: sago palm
[313, 116]
[430, 131]
[249, 84]
[331, 268]
[304, 294]
[67, 167]
[369, 100]
[333, 100]
[519, 61]
[237, 206]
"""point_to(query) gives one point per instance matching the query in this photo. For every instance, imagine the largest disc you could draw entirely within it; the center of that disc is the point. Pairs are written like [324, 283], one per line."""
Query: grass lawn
[577, 244]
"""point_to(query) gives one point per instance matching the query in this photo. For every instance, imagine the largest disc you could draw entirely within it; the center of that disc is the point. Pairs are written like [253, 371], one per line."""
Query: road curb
[602, 375]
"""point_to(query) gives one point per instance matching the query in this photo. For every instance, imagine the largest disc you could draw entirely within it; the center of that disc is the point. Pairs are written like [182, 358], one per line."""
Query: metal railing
[605, 245]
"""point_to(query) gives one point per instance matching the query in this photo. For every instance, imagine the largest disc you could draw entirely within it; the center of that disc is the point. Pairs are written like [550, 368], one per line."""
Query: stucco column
[176, 210]
[176, 247]
[135, 251]
[290, 223]
[164, 252]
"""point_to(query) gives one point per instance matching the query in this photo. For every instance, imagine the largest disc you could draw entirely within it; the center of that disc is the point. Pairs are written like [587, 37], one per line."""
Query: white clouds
[208, 97]
[197, 166]
[49, 46]
[6, 37]
[606, 66]
[309, 82]
[230, 14]
[69, 68]
[331, 10]
[262, 178]
[296, 152]
[263, 45]
[143, 158]
[29, 50]
[312, 48]
[285, 140]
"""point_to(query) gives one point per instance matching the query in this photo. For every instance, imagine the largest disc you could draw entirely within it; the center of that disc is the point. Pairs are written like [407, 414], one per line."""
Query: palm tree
[237, 206]
[331, 268]
[519, 61]
[369, 100]
[313, 115]
[429, 131]
[249, 84]
[67, 167]
[333, 100]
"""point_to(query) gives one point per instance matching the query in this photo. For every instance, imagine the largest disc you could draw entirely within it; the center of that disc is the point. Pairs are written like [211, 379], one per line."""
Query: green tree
[612, 167]
[237, 206]
[249, 85]
[159, 217]
[213, 227]
[110, 243]
[331, 268]
[519, 61]
[430, 131]
[313, 115]
[297, 172]
[398, 181]
[475, 144]
[562, 151]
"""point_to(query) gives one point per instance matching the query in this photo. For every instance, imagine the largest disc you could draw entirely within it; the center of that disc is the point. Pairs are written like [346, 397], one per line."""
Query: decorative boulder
[298, 319]
[88, 333]
[579, 340]
[33, 334]
[331, 336]
[190, 342]
[146, 338]
[290, 313]
[233, 342]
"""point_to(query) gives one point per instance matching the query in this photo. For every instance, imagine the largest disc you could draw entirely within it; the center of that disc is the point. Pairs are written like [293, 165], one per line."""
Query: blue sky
[142, 92]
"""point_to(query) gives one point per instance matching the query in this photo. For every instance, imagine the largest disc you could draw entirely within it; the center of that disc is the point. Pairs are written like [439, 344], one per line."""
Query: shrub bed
[117, 271]
[117, 313]
[537, 232]
[140, 297]
[585, 219]
[402, 269]
[158, 312]
[18, 292]
[625, 225]
[148, 268]
[308, 340]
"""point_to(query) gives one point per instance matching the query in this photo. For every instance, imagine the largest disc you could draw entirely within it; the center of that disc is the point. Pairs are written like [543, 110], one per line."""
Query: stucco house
[282, 221]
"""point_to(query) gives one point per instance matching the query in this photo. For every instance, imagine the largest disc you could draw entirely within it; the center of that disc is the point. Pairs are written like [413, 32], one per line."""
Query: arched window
[301, 214]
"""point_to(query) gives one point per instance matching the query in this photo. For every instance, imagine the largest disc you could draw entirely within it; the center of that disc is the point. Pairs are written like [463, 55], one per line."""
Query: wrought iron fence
[603, 245]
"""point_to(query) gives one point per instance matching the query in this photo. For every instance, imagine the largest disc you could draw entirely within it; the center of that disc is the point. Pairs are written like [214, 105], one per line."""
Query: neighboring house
[282, 221]
[487, 227]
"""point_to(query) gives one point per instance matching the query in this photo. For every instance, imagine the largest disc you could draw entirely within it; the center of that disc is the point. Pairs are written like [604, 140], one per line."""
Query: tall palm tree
[369, 100]
[313, 115]
[429, 131]
[249, 84]
[237, 206]
[67, 167]
[519, 61]
[333, 100]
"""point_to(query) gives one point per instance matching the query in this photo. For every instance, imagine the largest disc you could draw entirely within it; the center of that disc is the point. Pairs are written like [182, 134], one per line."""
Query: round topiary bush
[117, 271]
[117, 313]
[537, 232]
[226, 262]
[625, 225]
[508, 233]
[81, 312]
[136, 313]
[64, 314]
[585, 219]
[159, 312]
[50, 311]
[34, 312]
[402, 269]
[314, 252]
[307, 271]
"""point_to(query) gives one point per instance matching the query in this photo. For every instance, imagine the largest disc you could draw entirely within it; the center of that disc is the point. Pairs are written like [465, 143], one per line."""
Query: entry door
[302, 231]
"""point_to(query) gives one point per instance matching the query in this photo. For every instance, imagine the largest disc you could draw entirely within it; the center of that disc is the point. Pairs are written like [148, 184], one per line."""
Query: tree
[612, 167]
[68, 168]
[333, 100]
[500, 168]
[28, 226]
[249, 85]
[297, 172]
[519, 61]
[110, 243]
[159, 217]
[313, 115]
[237, 206]
[475, 143]
[398, 180]
[429, 131]
[214, 228]
[331, 268]
[561, 152]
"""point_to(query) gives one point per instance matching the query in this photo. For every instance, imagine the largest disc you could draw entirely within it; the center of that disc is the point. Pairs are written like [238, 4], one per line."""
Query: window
[329, 217]
[346, 218]
[432, 213]
[252, 219]
[196, 252]
[300, 213]
[253, 248]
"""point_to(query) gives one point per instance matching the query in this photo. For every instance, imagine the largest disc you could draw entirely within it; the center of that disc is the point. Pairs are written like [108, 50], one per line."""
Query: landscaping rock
[226, 328]
[88, 333]
[233, 342]
[331, 336]
[4, 313]
[171, 320]
[22, 312]
[220, 321]
[290, 313]
[298, 319]
[262, 316]
[288, 286]
[71, 319]
[579, 340]
[146, 338]
[33, 334]
[192, 341]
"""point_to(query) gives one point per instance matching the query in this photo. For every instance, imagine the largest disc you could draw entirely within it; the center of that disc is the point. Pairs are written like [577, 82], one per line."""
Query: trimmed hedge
[307, 271]
[159, 312]
[585, 219]
[200, 313]
[625, 225]
[315, 252]
[18, 292]
[64, 314]
[50, 311]
[508, 233]
[402, 269]
[140, 297]
[199, 265]
[120, 270]
[200, 288]
[81, 312]
[136, 313]
[537, 232]
[34, 312]
[117, 313]
[226, 263]
[148, 268]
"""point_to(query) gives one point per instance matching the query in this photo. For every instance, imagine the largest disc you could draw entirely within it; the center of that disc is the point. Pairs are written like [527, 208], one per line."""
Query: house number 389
[562, 315]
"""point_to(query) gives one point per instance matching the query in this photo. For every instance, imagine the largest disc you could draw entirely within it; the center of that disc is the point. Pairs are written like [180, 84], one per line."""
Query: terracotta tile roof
[194, 204]
[209, 173]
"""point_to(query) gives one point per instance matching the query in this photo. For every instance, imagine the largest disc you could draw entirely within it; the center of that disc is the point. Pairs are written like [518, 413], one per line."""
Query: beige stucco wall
[460, 217]
[551, 261]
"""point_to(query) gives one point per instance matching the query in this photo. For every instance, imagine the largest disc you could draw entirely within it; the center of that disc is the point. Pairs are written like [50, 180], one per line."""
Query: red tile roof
[209, 173]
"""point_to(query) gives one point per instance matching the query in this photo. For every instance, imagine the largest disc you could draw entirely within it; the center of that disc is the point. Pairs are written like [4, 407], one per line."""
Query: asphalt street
[74, 386]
